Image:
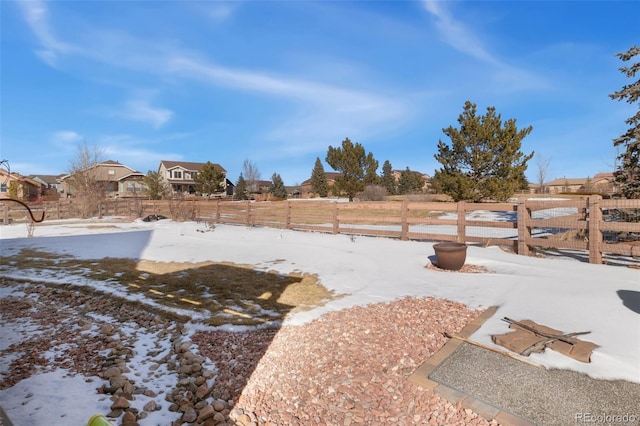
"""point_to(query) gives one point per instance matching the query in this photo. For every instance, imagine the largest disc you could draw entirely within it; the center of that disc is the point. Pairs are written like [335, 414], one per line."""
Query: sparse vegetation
[374, 193]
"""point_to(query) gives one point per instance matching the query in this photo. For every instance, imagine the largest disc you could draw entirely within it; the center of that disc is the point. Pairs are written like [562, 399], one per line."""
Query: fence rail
[591, 224]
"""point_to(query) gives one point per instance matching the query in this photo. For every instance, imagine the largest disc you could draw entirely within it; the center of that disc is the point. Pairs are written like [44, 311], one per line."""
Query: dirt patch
[218, 293]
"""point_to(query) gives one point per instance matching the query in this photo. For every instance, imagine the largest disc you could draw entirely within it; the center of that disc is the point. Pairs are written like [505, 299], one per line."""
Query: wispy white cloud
[66, 137]
[141, 110]
[456, 34]
[462, 38]
[220, 11]
[326, 112]
[36, 14]
[131, 151]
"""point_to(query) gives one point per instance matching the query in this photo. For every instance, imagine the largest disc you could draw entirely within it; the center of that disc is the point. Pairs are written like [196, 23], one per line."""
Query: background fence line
[588, 224]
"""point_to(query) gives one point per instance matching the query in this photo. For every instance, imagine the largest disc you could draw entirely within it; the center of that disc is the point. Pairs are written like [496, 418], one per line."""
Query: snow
[561, 293]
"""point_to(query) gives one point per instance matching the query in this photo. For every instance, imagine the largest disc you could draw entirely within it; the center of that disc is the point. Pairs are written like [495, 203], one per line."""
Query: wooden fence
[591, 225]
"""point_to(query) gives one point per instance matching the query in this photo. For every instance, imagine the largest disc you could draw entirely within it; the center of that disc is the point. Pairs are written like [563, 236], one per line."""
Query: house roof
[424, 175]
[125, 177]
[114, 163]
[328, 175]
[18, 177]
[187, 165]
[606, 175]
[48, 179]
[599, 177]
[110, 163]
[567, 181]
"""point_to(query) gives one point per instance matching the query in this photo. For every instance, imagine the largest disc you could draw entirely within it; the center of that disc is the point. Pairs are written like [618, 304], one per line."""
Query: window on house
[177, 174]
[3, 187]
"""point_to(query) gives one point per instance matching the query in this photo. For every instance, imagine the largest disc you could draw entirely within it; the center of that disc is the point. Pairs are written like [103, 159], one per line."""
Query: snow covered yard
[373, 276]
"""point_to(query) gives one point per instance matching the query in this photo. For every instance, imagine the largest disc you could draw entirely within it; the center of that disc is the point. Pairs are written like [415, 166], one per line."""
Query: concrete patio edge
[489, 412]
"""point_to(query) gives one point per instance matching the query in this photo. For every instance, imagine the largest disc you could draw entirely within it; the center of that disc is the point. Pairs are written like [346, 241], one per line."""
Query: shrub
[374, 193]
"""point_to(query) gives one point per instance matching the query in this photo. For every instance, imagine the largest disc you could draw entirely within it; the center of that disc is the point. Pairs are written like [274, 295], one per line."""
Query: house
[116, 179]
[51, 183]
[259, 186]
[307, 190]
[180, 176]
[26, 188]
[425, 178]
[602, 183]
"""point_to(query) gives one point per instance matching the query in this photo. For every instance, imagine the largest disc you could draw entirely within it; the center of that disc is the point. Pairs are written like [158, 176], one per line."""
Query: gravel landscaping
[347, 367]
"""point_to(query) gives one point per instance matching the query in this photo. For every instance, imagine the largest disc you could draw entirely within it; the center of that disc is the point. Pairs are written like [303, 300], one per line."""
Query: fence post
[217, 211]
[462, 222]
[287, 224]
[404, 215]
[5, 214]
[595, 236]
[248, 213]
[524, 231]
[336, 224]
[58, 209]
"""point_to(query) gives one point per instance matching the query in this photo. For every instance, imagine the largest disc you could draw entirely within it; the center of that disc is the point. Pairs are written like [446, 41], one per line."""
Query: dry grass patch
[224, 293]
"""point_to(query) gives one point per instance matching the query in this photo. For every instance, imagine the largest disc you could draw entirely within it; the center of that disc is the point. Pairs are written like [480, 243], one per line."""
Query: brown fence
[591, 225]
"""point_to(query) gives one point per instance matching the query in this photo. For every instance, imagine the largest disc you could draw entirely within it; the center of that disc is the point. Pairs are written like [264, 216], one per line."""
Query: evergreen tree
[388, 179]
[240, 191]
[277, 188]
[156, 187]
[319, 183]
[410, 182]
[627, 173]
[357, 168]
[210, 179]
[484, 159]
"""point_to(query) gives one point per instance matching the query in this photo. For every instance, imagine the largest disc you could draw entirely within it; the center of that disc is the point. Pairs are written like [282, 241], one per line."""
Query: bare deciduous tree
[85, 182]
[251, 175]
[543, 171]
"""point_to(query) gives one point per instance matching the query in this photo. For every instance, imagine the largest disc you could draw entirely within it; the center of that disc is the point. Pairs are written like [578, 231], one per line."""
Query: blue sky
[278, 82]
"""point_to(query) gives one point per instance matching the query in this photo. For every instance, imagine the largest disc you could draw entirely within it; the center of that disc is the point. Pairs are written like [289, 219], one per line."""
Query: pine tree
[357, 168]
[627, 174]
[156, 188]
[210, 179]
[277, 188]
[319, 183]
[388, 179]
[484, 159]
[240, 191]
[410, 182]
